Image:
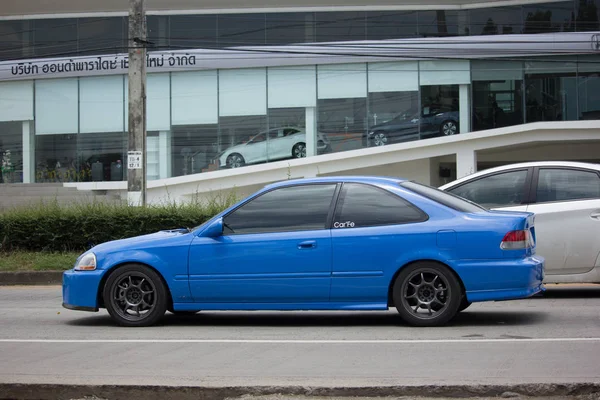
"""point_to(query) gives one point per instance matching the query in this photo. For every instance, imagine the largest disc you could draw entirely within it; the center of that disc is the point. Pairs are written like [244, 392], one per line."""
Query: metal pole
[136, 154]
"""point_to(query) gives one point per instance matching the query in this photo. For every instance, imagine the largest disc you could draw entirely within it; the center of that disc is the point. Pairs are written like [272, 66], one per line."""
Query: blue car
[335, 243]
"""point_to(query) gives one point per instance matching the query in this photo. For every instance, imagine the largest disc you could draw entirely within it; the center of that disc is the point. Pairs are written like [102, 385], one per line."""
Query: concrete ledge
[52, 391]
[31, 278]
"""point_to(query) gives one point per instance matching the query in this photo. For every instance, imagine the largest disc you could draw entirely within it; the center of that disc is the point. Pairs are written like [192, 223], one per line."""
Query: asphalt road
[554, 339]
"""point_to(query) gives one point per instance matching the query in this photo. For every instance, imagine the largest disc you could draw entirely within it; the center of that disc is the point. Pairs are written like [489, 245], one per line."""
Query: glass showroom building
[278, 85]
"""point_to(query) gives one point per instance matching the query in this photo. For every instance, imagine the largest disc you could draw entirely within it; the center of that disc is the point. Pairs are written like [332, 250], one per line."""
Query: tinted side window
[363, 205]
[499, 190]
[297, 208]
[567, 184]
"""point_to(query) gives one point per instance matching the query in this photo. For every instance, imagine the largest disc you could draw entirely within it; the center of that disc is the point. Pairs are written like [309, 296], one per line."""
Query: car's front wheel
[134, 295]
[299, 150]
[426, 294]
[235, 160]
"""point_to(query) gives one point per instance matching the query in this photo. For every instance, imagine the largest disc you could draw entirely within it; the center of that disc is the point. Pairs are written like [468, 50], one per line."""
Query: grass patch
[36, 261]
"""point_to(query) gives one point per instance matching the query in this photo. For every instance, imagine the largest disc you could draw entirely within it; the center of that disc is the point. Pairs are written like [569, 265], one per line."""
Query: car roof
[571, 164]
[335, 179]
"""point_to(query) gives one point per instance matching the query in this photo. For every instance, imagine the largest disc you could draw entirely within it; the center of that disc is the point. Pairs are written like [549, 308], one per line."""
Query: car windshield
[445, 198]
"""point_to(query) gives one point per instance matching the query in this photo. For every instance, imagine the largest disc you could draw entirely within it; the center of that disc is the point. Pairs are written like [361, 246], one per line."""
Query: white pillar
[311, 131]
[466, 163]
[28, 153]
[464, 109]
[164, 154]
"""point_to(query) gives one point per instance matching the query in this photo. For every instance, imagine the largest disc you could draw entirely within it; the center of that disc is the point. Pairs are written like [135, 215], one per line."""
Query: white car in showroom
[565, 197]
[274, 144]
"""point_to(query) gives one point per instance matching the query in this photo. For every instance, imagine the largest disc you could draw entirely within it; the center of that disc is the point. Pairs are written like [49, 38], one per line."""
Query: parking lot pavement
[549, 339]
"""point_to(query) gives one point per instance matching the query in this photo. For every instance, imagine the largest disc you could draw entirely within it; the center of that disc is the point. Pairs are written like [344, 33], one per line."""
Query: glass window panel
[393, 76]
[343, 121]
[101, 104]
[495, 21]
[285, 28]
[15, 39]
[565, 184]
[365, 206]
[11, 152]
[588, 15]
[194, 149]
[391, 25]
[16, 101]
[240, 141]
[393, 118]
[100, 157]
[588, 84]
[438, 23]
[56, 159]
[341, 26]
[299, 80]
[548, 17]
[243, 92]
[158, 95]
[105, 35]
[55, 37]
[194, 98]
[299, 208]
[191, 31]
[339, 81]
[499, 190]
[241, 29]
[439, 111]
[56, 106]
[551, 91]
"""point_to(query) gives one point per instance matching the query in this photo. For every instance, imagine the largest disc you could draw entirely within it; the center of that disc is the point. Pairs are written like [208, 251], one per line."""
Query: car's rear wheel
[135, 295]
[449, 128]
[379, 139]
[299, 150]
[235, 160]
[426, 294]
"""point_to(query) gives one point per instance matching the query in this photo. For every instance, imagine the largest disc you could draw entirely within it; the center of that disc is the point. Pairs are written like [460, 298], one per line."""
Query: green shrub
[56, 228]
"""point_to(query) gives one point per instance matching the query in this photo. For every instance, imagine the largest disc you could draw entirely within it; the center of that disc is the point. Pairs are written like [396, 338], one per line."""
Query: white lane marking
[308, 341]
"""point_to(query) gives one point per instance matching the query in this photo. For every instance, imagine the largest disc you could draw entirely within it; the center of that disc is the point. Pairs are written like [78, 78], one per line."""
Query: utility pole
[136, 154]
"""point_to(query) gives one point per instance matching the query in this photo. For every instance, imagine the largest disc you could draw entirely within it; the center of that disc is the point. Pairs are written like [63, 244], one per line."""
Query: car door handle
[309, 244]
[595, 215]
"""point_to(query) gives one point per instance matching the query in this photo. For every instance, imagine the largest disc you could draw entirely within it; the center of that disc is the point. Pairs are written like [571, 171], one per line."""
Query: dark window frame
[328, 219]
[527, 186]
[535, 182]
[340, 198]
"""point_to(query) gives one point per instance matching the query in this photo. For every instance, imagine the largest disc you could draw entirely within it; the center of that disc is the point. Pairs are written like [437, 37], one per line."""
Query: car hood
[156, 239]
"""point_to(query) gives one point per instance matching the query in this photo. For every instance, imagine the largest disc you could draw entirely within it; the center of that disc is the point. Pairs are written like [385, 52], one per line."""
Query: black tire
[449, 128]
[464, 304]
[299, 150]
[426, 284]
[150, 295]
[235, 160]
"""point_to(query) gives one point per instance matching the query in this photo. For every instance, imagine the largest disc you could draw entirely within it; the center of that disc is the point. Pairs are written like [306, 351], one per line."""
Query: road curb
[112, 392]
[31, 278]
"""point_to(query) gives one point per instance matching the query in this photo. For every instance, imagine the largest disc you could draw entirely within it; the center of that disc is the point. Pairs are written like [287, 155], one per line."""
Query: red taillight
[515, 240]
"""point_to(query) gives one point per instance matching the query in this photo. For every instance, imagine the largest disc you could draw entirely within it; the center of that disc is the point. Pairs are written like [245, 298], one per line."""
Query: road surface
[555, 339]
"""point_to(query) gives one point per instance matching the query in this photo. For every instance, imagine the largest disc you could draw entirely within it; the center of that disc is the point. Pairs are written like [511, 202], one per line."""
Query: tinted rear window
[444, 198]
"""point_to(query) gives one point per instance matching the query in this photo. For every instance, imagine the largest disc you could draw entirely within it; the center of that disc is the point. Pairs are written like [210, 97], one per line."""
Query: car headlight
[86, 263]
[371, 133]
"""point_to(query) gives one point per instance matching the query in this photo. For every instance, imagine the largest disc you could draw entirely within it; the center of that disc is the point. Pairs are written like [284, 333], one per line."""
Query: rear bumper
[495, 280]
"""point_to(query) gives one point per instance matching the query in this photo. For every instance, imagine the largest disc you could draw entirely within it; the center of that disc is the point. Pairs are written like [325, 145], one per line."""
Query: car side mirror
[215, 229]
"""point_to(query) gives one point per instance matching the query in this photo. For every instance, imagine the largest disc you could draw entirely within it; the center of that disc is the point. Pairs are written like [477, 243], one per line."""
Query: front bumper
[80, 289]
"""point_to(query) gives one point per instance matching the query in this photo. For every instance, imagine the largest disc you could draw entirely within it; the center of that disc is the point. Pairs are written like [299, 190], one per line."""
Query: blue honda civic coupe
[336, 243]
